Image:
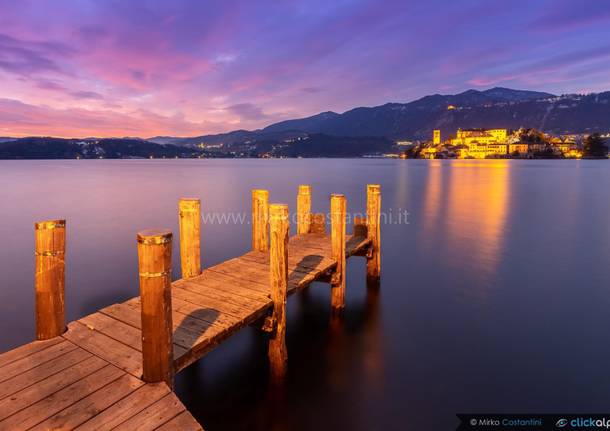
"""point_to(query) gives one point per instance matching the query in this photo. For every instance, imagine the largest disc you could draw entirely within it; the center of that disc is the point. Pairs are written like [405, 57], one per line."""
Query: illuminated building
[481, 143]
[519, 147]
[481, 136]
[429, 153]
[436, 139]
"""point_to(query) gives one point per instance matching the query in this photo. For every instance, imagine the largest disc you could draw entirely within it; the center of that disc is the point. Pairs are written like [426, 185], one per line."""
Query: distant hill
[359, 131]
[57, 148]
[308, 124]
[235, 137]
[318, 145]
[497, 107]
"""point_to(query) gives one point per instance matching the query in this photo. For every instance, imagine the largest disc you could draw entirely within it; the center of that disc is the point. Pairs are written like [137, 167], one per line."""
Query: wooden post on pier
[278, 280]
[49, 281]
[338, 209]
[373, 211]
[189, 210]
[359, 227]
[303, 209]
[154, 261]
[318, 223]
[260, 220]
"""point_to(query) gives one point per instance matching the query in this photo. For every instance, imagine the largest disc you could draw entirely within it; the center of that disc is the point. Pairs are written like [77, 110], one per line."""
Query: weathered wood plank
[250, 279]
[311, 240]
[183, 422]
[154, 415]
[205, 299]
[115, 329]
[48, 386]
[298, 276]
[227, 281]
[187, 329]
[356, 244]
[223, 293]
[302, 259]
[115, 352]
[195, 336]
[48, 406]
[131, 316]
[26, 350]
[43, 371]
[124, 313]
[126, 408]
[203, 313]
[24, 364]
[230, 289]
[91, 405]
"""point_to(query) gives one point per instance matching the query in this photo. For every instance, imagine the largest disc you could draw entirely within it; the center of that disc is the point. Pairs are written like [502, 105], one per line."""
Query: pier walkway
[104, 371]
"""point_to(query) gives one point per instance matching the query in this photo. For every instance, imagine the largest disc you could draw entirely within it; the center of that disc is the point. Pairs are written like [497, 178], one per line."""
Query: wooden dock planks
[90, 377]
[71, 388]
[208, 308]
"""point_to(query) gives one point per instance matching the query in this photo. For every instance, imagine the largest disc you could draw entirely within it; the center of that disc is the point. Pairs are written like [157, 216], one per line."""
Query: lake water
[495, 297]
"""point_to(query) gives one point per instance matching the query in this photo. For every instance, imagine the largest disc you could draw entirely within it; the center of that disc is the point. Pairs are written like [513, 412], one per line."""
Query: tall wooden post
[49, 279]
[260, 220]
[189, 210]
[278, 280]
[155, 259]
[318, 223]
[303, 209]
[338, 208]
[373, 212]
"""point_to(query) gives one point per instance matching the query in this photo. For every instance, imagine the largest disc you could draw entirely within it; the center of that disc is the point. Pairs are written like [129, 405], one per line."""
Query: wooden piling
[278, 280]
[189, 211]
[359, 227]
[260, 220]
[154, 260]
[49, 280]
[338, 209]
[318, 223]
[303, 209]
[373, 211]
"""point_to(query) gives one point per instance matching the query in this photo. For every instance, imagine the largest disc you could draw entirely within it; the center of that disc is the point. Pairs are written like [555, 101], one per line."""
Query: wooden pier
[114, 369]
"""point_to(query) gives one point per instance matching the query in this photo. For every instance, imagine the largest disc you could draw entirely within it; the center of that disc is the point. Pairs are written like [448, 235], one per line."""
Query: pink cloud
[20, 119]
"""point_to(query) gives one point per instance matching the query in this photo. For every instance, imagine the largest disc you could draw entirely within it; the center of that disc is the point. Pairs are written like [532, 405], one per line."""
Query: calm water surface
[494, 298]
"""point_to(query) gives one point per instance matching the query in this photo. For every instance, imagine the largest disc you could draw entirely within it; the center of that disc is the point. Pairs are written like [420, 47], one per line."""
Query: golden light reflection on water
[432, 197]
[466, 206]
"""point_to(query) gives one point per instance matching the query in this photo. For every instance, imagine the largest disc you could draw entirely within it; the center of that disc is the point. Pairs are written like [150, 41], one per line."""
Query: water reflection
[496, 255]
[466, 206]
[478, 200]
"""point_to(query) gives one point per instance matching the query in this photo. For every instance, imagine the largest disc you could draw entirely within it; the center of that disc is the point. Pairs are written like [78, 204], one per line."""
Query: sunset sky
[186, 68]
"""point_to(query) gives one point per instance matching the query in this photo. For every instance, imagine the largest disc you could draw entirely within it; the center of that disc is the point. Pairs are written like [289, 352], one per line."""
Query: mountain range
[494, 108]
[357, 132]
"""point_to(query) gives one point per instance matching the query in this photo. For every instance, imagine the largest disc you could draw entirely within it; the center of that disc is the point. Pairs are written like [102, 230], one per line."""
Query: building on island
[500, 143]
[436, 137]
[481, 143]
[518, 148]
[479, 136]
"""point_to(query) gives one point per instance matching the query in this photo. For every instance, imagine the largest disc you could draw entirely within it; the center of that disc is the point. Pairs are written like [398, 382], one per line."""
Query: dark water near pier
[494, 298]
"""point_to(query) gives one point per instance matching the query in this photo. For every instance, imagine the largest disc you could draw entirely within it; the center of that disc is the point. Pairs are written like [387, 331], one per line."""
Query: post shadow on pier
[193, 325]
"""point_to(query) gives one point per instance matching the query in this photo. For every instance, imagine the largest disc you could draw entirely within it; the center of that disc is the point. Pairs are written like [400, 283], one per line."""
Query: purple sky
[184, 68]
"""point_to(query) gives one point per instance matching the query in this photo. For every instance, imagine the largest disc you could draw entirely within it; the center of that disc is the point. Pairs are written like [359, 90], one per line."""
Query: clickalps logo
[586, 422]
